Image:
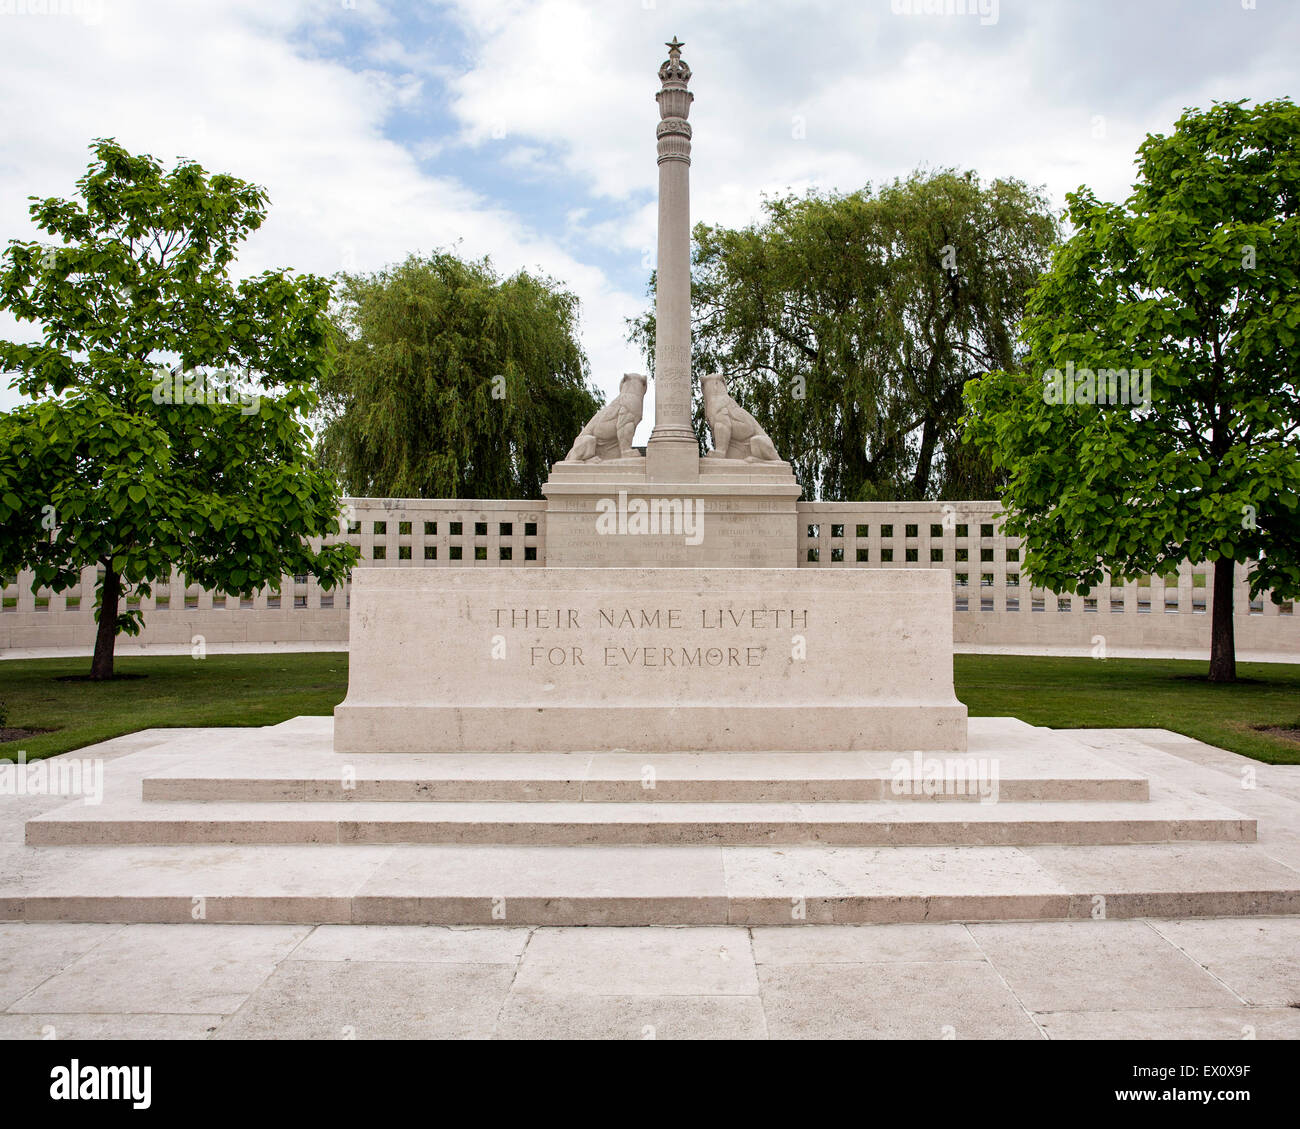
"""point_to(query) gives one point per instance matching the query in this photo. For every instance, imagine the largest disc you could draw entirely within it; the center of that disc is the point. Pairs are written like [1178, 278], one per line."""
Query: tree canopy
[848, 324]
[453, 382]
[167, 427]
[1196, 280]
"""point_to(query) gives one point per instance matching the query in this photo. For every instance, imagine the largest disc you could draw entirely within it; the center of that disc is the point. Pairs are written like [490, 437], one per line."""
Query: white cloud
[789, 96]
[240, 98]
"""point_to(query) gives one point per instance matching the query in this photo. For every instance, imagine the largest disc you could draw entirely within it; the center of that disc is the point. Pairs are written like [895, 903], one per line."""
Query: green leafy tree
[848, 324]
[1196, 278]
[106, 466]
[453, 382]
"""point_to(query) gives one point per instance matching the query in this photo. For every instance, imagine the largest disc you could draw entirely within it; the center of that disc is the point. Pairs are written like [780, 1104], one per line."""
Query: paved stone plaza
[1203, 977]
[1216, 978]
[1213, 978]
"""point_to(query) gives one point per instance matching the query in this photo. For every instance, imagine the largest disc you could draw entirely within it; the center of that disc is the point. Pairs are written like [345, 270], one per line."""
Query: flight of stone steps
[270, 825]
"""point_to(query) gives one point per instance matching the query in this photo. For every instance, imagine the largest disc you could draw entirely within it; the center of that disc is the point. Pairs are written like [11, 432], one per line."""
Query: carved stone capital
[674, 103]
[678, 126]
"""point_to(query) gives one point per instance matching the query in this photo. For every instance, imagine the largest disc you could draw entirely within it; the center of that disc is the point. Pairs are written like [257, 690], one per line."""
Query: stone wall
[990, 604]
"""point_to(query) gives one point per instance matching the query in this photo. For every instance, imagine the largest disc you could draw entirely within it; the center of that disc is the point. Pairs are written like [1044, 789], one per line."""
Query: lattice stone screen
[445, 534]
[390, 532]
[993, 604]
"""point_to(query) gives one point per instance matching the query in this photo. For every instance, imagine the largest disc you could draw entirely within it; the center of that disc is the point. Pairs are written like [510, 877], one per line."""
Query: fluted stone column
[672, 452]
[746, 499]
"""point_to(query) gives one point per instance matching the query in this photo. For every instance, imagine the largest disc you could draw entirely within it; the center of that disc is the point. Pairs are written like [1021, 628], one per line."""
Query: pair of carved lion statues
[736, 433]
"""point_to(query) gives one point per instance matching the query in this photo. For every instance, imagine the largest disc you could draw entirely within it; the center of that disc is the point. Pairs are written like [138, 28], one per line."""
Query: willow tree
[453, 382]
[1193, 283]
[848, 324]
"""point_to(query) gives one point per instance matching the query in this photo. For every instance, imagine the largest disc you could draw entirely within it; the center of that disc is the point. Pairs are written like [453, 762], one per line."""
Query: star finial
[674, 71]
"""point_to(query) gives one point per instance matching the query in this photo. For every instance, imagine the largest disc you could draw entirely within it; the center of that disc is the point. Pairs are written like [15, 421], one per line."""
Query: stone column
[672, 452]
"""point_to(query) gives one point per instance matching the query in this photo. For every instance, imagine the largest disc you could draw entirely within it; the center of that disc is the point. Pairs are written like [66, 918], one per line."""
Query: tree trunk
[921, 479]
[101, 666]
[1223, 645]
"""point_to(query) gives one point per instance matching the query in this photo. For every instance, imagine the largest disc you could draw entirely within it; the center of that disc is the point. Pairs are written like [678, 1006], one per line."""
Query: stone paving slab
[1260, 964]
[436, 944]
[1053, 966]
[373, 1000]
[584, 1016]
[833, 944]
[169, 969]
[639, 962]
[1084, 979]
[73, 1025]
[1217, 1023]
[892, 1001]
[31, 954]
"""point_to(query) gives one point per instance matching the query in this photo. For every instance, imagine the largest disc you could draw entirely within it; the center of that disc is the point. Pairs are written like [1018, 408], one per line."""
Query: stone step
[270, 774]
[1170, 816]
[457, 885]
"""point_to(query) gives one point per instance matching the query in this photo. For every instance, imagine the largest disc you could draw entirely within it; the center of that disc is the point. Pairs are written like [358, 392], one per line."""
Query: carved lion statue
[608, 434]
[736, 434]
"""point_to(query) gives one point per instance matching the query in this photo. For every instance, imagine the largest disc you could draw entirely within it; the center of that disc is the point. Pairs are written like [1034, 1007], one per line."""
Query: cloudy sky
[524, 129]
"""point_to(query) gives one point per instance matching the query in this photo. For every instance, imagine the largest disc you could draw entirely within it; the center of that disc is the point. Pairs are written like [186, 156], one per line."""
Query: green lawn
[176, 691]
[1139, 693]
[264, 689]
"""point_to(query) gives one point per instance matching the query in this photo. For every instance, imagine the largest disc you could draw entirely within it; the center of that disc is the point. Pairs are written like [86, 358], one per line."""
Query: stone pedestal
[615, 514]
[649, 660]
[672, 459]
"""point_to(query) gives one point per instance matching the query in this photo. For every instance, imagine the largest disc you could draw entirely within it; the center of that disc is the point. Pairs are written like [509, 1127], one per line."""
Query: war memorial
[667, 720]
